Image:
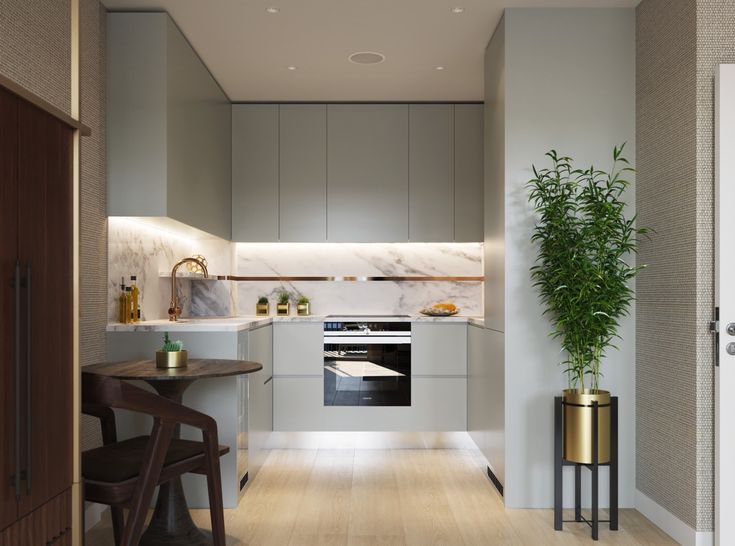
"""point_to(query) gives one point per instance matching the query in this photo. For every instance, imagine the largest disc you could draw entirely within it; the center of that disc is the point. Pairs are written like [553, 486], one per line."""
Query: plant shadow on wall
[582, 273]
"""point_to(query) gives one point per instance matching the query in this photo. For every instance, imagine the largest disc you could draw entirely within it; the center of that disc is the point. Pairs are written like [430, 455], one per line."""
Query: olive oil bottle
[135, 299]
[123, 312]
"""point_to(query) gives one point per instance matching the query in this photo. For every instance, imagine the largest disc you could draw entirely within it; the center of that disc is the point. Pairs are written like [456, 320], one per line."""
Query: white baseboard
[92, 514]
[670, 524]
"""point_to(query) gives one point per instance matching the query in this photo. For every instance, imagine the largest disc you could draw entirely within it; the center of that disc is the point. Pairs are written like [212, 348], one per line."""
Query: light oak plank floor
[419, 497]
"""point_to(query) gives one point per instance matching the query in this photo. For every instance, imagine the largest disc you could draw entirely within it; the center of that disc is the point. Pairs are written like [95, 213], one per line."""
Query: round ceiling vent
[366, 57]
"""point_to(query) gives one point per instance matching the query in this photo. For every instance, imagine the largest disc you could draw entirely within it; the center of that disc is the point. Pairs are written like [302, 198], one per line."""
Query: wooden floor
[398, 496]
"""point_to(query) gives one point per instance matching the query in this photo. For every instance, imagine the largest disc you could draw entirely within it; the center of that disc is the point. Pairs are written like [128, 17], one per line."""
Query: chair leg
[214, 487]
[118, 523]
[155, 455]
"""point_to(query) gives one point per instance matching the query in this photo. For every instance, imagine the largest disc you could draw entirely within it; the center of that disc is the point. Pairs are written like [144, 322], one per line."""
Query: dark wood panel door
[45, 251]
[8, 257]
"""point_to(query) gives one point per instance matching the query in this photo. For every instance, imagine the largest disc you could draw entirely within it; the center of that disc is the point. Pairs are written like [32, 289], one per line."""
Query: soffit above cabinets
[249, 51]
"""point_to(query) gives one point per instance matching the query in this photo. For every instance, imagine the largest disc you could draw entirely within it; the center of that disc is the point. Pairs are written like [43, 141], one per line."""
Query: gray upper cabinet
[168, 127]
[431, 173]
[468, 172]
[367, 172]
[255, 172]
[303, 173]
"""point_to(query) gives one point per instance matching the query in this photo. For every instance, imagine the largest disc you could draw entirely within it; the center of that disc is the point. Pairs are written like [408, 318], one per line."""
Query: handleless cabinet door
[255, 172]
[45, 250]
[303, 172]
[431, 168]
[8, 257]
[367, 169]
[468, 172]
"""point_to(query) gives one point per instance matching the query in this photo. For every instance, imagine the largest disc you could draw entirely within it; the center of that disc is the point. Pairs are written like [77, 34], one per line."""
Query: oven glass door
[361, 371]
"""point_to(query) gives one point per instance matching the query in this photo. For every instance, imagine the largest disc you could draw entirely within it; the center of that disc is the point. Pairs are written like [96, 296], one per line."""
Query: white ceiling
[249, 50]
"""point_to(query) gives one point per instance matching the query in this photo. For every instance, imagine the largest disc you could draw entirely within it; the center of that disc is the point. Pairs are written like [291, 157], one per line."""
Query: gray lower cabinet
[255, 172]
[468, 172]
[367, 169]
[260, 397]
[439, 349]
[168, 127]
[431, 168]
[438, 383]
[302, 210]
[298, 348]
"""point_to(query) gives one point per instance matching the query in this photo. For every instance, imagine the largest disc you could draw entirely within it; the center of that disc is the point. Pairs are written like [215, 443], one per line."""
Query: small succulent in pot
[172, 354]
[284, 305]
[262, 308]
[303, 306]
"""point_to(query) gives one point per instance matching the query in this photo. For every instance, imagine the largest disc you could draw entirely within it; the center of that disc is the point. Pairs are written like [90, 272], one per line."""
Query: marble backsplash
[362, 260]
[141, 247]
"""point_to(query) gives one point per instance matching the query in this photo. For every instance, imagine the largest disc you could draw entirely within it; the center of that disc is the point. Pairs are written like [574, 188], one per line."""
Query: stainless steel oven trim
[366, 340]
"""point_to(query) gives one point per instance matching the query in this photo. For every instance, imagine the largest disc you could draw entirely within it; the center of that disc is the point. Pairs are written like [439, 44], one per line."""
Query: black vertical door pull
[16, 286]
[29, 383]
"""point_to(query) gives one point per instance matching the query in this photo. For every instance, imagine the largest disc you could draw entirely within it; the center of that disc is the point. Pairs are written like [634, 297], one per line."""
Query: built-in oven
[367, 363]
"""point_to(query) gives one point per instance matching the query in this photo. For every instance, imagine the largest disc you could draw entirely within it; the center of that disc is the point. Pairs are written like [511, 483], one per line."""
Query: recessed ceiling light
[292, 67]
[458, 9]
[272, 10]
[439, 68]
[367, 57]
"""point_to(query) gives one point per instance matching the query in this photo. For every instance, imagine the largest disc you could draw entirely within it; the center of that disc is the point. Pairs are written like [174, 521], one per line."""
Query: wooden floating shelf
[345, 278]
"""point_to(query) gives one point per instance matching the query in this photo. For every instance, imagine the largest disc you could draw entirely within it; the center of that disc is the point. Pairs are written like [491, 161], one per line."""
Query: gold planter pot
[283, 309]
[303, 309]
[578, 425]
[262, 309]
[174, 359]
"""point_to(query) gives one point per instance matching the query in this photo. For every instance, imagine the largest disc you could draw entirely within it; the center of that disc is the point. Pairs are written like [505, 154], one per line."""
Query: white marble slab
[364, 260]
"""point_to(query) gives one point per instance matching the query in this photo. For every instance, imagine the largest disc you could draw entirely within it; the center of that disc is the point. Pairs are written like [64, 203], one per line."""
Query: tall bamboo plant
[581, 272]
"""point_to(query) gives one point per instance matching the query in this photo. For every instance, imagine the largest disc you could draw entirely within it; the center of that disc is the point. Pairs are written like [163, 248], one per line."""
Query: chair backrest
[99, 391]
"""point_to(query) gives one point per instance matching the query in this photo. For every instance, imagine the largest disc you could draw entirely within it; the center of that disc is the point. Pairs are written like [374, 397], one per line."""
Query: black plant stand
[560, 463]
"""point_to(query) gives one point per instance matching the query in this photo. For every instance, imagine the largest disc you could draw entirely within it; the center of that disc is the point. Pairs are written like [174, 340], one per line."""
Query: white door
[725, 301]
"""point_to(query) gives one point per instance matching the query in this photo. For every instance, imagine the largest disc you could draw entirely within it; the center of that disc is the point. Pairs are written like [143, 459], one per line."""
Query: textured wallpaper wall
[35, 41]
[93, 195]
[679, 47]
[666, 194]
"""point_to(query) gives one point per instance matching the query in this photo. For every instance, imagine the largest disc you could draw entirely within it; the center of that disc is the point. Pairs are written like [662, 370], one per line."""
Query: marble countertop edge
[236, 324]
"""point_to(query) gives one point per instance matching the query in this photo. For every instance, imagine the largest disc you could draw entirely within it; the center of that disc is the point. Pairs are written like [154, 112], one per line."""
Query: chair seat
[122, 461]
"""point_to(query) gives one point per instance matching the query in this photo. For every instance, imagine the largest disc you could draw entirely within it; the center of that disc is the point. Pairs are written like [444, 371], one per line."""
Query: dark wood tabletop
[197, 369]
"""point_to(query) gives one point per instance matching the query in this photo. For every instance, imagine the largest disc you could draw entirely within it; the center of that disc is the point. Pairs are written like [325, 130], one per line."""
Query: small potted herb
[284, 306]
[263, 307]
[172, 354]
[303, 306]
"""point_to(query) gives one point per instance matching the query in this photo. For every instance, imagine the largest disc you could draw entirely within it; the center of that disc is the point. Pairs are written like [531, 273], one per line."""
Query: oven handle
[366, 340]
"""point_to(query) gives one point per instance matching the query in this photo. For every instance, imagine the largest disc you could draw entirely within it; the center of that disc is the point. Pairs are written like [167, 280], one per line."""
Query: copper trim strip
[352, 278]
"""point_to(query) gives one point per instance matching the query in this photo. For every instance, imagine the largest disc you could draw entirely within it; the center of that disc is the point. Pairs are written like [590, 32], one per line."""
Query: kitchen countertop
[236, 324]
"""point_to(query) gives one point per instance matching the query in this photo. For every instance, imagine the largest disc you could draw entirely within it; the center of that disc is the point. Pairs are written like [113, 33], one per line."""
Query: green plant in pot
[582, 275]
[303, 306]
[262, 308]
[172, 354]
[284, 306]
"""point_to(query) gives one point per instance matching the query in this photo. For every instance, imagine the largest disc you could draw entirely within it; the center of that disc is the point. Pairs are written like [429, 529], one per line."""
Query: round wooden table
[171, 523]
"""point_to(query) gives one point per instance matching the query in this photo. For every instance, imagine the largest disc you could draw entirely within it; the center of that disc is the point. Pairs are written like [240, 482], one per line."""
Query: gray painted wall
[559, 47]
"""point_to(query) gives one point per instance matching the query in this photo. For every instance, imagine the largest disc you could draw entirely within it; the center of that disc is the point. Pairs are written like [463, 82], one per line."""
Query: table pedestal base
[171, 524]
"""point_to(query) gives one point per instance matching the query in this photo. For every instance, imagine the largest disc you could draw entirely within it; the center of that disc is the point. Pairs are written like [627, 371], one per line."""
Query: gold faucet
[174, 311]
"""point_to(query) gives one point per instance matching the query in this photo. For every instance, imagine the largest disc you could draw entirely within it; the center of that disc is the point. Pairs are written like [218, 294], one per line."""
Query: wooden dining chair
[125, 474]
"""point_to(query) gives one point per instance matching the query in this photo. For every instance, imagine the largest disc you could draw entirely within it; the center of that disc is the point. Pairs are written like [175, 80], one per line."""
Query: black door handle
[29, 382]
[16, 285]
